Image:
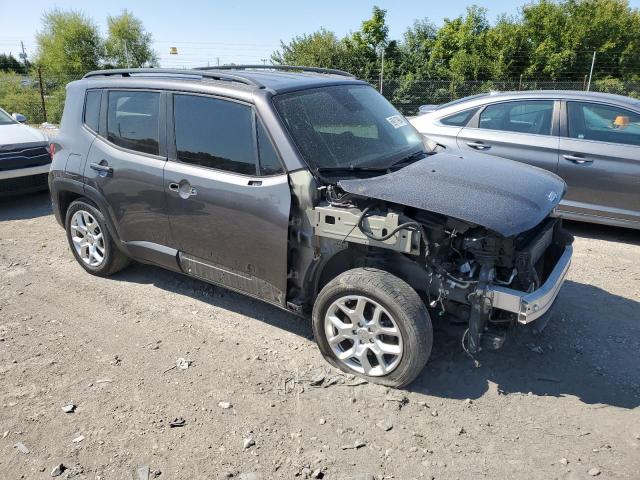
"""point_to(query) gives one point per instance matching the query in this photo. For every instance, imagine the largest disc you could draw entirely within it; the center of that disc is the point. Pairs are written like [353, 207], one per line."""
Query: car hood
[18, 134]
[502, 195]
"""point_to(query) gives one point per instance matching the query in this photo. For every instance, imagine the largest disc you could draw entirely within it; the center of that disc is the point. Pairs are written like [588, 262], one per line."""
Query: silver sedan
[592, 140]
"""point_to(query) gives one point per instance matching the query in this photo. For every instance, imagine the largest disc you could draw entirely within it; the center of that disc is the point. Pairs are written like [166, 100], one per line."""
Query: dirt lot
[563, 404]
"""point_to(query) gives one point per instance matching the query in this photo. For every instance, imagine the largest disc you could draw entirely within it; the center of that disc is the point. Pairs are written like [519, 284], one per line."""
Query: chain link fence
[42, 101]
[408, 95]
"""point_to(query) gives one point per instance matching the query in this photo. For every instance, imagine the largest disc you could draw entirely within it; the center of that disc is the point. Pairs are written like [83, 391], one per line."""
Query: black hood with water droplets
[505, 196]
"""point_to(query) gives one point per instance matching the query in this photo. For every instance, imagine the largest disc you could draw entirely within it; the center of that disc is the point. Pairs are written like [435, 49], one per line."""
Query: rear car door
[228, 196]
[600, 160]
[521, 130]
[126, 162]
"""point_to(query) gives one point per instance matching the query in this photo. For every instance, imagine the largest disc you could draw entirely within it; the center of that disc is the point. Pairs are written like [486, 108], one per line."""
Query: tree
[319, 49]
[416, 48]
[128, 44]
[459, 49]
[563, 37]
[9, 63]
[69, 44]
[355, 53]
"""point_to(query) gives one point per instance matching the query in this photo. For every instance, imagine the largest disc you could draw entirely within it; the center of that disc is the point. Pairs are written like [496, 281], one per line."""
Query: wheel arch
[394, 263]
[65, 191]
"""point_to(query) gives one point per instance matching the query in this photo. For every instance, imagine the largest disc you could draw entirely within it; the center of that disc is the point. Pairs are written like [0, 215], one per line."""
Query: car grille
[30, 183]
[22, 157]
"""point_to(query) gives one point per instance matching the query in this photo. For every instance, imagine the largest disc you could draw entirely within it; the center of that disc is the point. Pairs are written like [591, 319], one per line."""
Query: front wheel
[373, 324]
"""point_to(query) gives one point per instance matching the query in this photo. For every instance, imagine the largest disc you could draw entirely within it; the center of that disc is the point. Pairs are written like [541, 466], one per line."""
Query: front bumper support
[531, 306]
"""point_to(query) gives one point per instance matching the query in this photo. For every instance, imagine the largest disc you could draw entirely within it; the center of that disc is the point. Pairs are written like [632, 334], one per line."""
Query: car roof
[275, 79]
[481, 99]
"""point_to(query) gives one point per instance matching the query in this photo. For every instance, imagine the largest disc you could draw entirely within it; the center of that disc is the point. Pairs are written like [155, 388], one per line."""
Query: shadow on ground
[215, 296]
[23, 207]
[590, 350]
[603, 232]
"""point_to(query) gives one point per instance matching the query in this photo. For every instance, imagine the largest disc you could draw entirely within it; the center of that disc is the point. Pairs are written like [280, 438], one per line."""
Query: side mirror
[18, 117]
[431, 146]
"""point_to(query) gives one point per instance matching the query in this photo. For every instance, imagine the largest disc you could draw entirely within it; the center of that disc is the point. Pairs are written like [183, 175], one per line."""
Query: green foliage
[550, 40]
[128, 43]
[21, 96]
[68, 44]
[9, 63]
[320, 49]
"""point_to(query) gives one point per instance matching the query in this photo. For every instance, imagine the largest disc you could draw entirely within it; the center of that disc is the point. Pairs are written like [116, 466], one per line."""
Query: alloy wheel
[363, 335]
[88, 238]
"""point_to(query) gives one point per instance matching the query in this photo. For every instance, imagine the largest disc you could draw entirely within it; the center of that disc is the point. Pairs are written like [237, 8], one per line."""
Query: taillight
[52, 150]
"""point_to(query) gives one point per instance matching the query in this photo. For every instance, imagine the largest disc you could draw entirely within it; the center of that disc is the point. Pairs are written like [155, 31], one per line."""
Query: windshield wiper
[415, 156]
[350, 168]
[419, 155]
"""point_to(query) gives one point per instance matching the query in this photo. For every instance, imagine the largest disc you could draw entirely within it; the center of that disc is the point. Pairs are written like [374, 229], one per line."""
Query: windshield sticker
[397, 121]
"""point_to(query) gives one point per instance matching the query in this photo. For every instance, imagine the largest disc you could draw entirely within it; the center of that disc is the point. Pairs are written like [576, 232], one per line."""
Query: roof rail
[286, 68]
[128, 72]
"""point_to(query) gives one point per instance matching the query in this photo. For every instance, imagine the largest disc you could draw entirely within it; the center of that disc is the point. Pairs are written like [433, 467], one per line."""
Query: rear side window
[603, 123]
[133, 120]
[214, 133]
[269, 162]
[529, 116]
[92, 109]
[459, 119]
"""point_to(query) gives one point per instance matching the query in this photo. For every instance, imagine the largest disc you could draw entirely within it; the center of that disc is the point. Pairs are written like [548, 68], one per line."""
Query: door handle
[183, 189]
[577, 159]
[479, 145]
[100, 168]
[254, 183]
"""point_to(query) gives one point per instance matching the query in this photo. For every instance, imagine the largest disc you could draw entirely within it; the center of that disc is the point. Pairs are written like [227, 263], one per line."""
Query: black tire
[114, 260]
[400, 300]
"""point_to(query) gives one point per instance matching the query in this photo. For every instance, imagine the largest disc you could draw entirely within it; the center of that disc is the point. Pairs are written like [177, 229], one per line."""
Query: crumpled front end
[467, 273]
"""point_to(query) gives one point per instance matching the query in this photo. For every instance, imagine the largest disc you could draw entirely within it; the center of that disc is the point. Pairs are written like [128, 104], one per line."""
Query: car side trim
[154, 253]
[25, 172]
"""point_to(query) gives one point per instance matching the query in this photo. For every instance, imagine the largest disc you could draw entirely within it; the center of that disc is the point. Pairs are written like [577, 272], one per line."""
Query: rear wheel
[373, 324]
[90, 241]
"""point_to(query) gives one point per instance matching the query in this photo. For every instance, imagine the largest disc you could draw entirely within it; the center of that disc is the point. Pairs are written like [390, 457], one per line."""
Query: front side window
[530, 116]
[92, 109]
[133, 120]
[346, 126]
[269, 162]
[603, 123]
[214, 133]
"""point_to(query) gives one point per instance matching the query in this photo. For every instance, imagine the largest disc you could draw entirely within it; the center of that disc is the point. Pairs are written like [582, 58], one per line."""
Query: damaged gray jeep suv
[306, 189]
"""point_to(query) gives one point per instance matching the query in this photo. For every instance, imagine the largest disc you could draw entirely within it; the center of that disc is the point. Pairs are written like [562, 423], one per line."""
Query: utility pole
[593, 62]
[382, 69]
[218, 61]
[23, 55]
[44, 108]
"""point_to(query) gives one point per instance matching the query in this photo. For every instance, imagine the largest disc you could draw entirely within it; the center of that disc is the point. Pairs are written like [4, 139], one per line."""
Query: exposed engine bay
[465, 272]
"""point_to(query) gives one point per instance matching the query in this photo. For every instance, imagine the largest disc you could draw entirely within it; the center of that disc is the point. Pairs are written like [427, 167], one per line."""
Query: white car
[25, 156]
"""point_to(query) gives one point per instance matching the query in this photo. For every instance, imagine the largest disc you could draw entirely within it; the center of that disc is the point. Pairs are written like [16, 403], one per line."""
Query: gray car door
[228, 196]
[600, 161]
[521, 130]
[125, 165]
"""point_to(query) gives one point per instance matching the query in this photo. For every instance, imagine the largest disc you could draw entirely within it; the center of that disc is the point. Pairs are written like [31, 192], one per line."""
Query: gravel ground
[561, 404]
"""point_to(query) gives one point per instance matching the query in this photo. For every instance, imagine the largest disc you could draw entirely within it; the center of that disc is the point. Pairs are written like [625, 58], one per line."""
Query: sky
[247, 31]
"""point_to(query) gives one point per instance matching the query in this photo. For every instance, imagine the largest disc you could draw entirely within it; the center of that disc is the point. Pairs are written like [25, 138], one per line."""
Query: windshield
[5, 118]
[347, 126]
